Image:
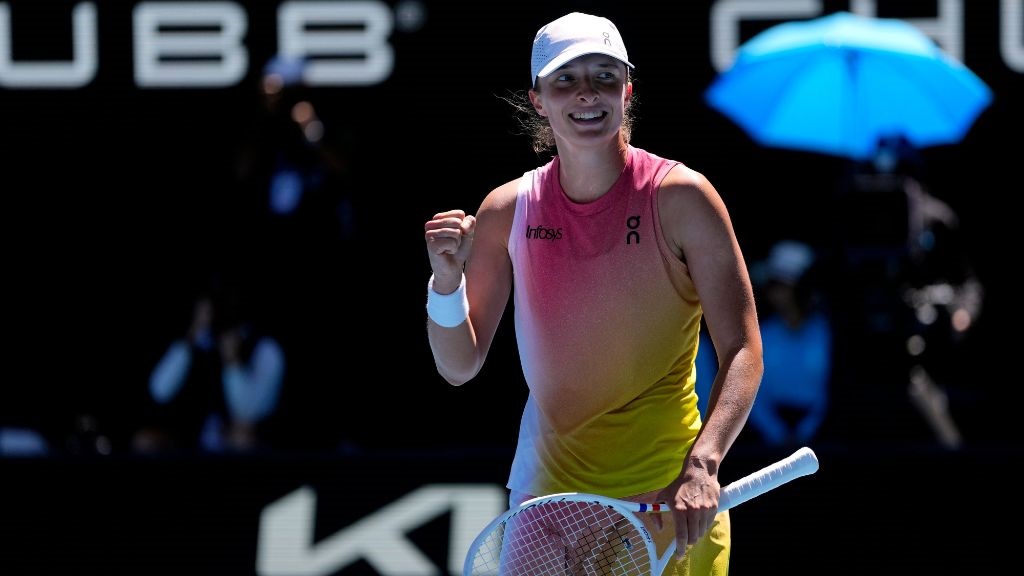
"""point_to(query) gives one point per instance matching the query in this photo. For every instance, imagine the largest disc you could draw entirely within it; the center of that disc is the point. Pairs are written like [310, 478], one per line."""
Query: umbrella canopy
[838, 83]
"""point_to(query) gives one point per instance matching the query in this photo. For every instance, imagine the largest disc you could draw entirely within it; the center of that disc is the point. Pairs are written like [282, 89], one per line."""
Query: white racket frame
[803, 462]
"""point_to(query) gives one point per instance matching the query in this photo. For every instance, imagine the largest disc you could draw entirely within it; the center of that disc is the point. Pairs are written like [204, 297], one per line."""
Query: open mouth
[590, 116]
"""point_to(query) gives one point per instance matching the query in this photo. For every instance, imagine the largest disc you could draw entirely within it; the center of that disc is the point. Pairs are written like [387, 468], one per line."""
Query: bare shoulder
[494, 219]
[501, 201]
[503, 197]
[684, 185]
[691, 210]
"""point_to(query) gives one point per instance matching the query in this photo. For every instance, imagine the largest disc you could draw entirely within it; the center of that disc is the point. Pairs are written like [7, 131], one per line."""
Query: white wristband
[448, 310]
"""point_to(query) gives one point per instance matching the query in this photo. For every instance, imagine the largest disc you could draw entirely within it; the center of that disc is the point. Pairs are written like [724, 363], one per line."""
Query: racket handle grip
[801, 463]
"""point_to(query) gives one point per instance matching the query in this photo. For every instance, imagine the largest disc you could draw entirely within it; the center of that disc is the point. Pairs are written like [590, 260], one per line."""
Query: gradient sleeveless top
[604, 309]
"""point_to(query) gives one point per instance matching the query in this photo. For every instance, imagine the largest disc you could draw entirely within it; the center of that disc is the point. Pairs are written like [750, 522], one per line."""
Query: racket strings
[564, 538]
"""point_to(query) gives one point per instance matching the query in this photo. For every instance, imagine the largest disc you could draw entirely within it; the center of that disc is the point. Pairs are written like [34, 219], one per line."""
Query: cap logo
[571, 36]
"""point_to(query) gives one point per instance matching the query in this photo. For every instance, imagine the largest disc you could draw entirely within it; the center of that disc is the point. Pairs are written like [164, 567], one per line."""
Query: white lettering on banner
[202, 44]
[1011, 36]
[947, 29]
[286, 548]
[74, 74]
[374, 57]
[726, 16]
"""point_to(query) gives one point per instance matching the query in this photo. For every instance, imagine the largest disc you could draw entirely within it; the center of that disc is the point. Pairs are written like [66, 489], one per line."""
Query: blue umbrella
[838, 83]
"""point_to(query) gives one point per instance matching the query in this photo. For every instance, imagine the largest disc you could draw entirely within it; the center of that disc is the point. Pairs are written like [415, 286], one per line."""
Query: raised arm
[471, 254]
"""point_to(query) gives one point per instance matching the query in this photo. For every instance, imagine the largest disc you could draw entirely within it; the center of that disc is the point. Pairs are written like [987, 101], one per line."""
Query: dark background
[119, 200]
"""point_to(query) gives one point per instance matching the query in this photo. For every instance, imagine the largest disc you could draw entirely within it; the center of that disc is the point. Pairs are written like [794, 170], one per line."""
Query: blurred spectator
[913, 292]
[796, 332]
[22, 442]
[87, 437]
[293, 165]
[293, 216]
[294, 192]
[216, 388]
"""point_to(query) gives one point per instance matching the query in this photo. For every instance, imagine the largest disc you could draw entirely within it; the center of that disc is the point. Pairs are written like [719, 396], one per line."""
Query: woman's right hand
[449, 239]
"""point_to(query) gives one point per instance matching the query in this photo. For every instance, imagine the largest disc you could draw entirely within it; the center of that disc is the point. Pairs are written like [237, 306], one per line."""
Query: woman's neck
[586, 174]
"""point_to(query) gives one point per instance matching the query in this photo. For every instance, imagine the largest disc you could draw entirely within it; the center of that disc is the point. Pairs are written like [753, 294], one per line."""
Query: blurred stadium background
[122, 198]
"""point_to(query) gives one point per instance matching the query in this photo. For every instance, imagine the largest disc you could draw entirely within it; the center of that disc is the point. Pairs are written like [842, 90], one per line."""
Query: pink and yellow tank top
[607, 315]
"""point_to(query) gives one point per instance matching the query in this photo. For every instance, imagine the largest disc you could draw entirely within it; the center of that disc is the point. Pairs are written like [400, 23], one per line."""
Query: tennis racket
[575, 533]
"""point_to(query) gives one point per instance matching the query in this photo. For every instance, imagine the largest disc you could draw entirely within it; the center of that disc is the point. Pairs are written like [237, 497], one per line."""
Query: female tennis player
[614, 255]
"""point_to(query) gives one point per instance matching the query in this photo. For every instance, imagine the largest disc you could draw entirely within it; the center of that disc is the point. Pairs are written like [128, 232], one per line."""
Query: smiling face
[585, 99]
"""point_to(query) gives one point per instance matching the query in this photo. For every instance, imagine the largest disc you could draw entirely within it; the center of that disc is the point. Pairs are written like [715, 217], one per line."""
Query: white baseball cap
[571, 36]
